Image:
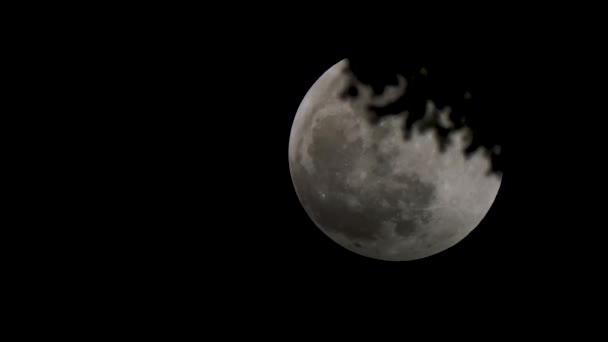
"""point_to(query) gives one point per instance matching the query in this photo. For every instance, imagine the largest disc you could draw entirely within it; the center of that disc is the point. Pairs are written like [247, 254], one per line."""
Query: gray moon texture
[375, 193]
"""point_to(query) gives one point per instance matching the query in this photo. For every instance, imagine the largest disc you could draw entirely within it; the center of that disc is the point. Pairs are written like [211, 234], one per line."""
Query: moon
[375, 193]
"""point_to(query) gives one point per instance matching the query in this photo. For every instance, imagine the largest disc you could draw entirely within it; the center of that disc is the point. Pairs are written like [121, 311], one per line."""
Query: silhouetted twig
[461, 87]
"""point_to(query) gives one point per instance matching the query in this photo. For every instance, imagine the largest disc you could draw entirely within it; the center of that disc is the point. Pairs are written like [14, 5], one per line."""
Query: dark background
[199, 193]
[170, 184]
[535, 234]
[235, 215]
[277, 240]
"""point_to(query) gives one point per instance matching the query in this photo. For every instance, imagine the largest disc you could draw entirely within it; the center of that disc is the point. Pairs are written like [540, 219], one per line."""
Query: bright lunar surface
[372, 191]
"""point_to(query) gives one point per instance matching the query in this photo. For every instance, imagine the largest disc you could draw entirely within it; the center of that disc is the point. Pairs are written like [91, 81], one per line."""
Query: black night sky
[227, 215]
[529, 232]
[157, 166]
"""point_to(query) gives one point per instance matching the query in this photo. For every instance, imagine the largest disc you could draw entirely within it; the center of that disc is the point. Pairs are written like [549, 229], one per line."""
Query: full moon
[375, 193]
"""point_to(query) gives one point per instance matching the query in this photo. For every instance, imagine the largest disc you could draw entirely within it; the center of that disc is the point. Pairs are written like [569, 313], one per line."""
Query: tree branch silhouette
[463, 88]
